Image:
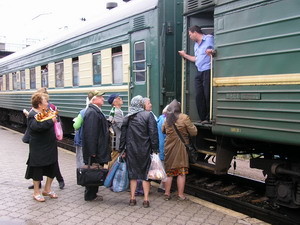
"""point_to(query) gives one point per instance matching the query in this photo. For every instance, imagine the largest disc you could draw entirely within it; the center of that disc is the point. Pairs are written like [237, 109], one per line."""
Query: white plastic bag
[156, 170]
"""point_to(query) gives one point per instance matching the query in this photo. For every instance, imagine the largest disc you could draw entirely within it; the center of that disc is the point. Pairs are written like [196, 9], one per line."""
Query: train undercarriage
[282, 170]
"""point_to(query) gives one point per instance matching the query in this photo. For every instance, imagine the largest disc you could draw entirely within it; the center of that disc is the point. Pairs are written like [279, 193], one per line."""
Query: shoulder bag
[190, 148]
[91, 176]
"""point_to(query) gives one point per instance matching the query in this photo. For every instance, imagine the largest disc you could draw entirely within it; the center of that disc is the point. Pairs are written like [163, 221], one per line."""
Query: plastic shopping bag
[111, 174]
[58, 131]
[121, 179]
[156, 170]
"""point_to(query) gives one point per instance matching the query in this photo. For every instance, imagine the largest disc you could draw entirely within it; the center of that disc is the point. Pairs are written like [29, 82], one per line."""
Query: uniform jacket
[139, 137]
[42, 145]
[175, 151]
[95, 137]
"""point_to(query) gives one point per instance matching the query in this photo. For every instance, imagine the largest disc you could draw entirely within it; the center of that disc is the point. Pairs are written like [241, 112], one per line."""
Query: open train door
[140, 67]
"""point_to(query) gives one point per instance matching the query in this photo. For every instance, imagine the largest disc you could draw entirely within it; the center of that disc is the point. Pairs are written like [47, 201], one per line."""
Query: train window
[15, 81]
[1, 83]
[139, 63]
[97, 68]
[32, 78]
[22, 79]
[75, 71]
[44, 77]
[117, 62]
[7, 82]
[59, 74]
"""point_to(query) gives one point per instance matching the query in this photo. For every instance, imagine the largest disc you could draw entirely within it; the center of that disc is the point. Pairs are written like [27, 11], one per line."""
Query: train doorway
[205, 20]
[139, 79]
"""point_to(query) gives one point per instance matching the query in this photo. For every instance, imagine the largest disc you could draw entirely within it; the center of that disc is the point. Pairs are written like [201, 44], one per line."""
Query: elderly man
[95, 139]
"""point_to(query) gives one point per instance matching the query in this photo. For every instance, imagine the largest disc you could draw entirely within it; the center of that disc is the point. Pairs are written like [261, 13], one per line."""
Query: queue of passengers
[138, 135]
[140, 127]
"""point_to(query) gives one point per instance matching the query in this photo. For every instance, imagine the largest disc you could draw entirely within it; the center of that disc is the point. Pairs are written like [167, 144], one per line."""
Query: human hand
[54, 119]
[181, 53]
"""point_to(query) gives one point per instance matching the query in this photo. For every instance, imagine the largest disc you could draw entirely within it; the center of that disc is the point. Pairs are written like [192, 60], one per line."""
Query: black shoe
[31, 186]
[61, 184]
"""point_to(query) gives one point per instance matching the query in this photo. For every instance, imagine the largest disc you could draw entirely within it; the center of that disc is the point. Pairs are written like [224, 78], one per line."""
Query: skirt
[37, 172]
[177, 171]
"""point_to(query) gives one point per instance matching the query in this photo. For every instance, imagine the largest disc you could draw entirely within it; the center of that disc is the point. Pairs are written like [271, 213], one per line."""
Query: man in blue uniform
[203, 50]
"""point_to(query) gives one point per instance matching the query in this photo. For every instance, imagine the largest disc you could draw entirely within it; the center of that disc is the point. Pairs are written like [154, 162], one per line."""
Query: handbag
[190, 148]
[26, 137]
[91, 176]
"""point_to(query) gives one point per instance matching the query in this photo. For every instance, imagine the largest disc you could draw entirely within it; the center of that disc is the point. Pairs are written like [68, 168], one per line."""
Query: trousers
[202, 89]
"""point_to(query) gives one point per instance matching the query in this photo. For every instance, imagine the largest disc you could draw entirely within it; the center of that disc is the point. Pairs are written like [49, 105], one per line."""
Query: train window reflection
[59, 74]
[139, 63]
[7, 81]
[22, 79]
[117, 62]
[32, 78]
[15, 81]
[1, 83]
[75, 71]
[44, 77]
[97, 68]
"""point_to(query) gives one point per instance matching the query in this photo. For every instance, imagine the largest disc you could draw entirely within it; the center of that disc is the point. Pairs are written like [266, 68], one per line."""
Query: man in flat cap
[95, 139]
[116, 117]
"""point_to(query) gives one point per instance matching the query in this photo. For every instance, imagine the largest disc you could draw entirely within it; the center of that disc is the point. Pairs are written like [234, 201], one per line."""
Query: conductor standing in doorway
[203, 50]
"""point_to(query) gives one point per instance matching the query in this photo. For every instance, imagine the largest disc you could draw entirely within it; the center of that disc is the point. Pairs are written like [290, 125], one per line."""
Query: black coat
[43, 144]
[95, 136]
[140, 138]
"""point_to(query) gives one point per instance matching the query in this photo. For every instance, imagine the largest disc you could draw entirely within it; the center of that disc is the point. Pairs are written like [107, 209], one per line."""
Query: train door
[139, 79]
[205, 20]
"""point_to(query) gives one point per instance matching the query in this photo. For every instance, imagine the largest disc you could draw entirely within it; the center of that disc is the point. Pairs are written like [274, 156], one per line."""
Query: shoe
[146, 204]
[132, 202]
[182, 199]
[39, 198]
[205, 122]
[61, 184]
[167, 197]
[32, 186]
[51, 194]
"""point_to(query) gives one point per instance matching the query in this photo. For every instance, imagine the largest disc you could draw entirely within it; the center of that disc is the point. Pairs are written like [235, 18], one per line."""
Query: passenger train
[255, 88]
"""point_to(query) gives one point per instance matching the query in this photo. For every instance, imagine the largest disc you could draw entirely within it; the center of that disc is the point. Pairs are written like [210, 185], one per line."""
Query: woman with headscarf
[176, 157]
[139, 139]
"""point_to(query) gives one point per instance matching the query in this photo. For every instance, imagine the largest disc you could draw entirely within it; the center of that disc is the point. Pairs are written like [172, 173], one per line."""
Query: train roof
[127, 10]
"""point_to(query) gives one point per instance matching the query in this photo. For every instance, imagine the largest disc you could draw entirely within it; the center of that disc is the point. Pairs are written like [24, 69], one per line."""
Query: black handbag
[26, 137]
[91, 176]
[190, 148]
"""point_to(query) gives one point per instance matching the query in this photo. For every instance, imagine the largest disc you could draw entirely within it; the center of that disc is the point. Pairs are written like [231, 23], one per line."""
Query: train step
[207, 152]
[203, 165]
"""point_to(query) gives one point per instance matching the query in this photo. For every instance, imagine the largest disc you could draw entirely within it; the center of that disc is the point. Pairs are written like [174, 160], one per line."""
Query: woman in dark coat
[42, 159]
[139, 138]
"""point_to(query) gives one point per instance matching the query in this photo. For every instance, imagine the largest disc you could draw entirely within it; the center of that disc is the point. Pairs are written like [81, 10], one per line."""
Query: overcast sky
[22, 20]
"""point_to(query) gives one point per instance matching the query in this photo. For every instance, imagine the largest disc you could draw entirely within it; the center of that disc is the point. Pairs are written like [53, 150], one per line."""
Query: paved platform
[17, 206]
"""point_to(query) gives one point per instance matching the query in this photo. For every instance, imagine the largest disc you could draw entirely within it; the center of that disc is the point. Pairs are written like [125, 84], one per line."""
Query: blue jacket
[161, 137]
[78, 133]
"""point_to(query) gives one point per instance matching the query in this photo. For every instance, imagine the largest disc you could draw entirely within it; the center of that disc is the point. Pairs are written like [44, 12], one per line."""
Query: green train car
[130, 50]
[134, 50]
[255, 89]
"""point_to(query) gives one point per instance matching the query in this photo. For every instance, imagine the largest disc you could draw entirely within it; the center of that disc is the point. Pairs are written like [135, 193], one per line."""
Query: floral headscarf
[136, 105]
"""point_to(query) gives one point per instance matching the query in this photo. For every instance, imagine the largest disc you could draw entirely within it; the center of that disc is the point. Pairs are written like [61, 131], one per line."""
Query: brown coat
[175, 152]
